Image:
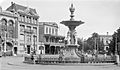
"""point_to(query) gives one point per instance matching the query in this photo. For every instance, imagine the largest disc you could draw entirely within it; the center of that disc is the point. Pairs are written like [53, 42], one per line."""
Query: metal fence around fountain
[55, 59]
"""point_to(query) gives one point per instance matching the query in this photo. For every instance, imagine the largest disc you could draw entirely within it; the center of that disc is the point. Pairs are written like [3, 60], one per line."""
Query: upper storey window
[52, 30]
[22, 18]
[35, 30]
[56, 31]
[46, 30]
[22, 28]
[49, 30]
[28, 28]
[4, 22]
[11, 23]
[35, 21]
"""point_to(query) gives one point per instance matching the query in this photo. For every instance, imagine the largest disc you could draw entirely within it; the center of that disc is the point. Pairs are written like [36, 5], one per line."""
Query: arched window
[4, 22]
[11, 23]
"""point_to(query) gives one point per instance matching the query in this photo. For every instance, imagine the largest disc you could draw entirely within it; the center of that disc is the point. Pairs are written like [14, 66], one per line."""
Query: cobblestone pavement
[15, 63]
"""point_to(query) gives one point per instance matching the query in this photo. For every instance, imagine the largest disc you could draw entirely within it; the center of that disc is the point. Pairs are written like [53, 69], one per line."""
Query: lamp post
[116, 54]
[34, 46]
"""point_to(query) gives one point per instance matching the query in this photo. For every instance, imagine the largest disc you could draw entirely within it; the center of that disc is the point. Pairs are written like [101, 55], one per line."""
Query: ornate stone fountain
[70, 49]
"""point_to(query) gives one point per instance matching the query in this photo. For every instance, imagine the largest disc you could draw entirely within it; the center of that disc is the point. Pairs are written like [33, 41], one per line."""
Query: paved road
[15, 63]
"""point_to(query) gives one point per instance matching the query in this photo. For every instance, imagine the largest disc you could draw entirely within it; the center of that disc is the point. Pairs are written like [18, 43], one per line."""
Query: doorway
[28, 49]
[15, 50]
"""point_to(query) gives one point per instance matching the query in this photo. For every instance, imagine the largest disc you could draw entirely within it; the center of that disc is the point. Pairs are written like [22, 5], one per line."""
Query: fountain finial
[72, 9]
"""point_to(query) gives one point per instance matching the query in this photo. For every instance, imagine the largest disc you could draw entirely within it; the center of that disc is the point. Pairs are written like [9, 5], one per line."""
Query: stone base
[70, 53]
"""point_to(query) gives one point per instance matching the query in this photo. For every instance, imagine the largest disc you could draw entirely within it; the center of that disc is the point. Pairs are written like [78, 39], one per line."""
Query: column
[5, 43]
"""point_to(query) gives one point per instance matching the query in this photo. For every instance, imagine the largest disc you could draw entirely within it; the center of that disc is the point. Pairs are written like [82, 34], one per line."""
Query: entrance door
[47, 50]
[15, 50]
[28, 49]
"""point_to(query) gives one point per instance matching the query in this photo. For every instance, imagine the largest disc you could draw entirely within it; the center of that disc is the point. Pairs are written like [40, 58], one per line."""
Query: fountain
[70, 49]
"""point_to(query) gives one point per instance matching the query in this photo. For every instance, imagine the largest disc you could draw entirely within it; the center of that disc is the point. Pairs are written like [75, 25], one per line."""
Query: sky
[100, 16]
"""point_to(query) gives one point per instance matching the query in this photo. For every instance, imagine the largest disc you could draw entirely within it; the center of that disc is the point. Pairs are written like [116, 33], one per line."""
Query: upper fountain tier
[72, 23]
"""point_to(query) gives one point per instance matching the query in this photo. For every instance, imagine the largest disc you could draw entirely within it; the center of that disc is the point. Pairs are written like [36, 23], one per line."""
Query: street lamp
[116, 55]
[34, 45]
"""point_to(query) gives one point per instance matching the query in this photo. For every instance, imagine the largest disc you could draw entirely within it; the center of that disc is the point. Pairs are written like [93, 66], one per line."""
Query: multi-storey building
[8, 31]
[106, 40]
[49, 40]
[27, 28]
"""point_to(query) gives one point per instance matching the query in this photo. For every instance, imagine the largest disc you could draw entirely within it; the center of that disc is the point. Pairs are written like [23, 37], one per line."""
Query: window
[28, 38]
[25, 19]
[46, 39]
[52, 30]
[56, 31]
[30, 20]
[46, 30]
[35, 30]
[10, 34]
[10, 23]
[22, 28]
[34, 38]
[33, 21]
[49, 30]
[4, 22]
[28, 29]
[22, 18]
[52, 40]
[22, 37]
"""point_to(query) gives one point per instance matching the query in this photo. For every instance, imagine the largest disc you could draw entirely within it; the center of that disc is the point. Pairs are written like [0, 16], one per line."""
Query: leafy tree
[112, 44]
[94, 41]
[80, 43]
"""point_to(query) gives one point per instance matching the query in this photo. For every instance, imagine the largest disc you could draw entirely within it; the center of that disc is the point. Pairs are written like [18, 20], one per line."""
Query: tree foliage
[94, 42]
[115, 41]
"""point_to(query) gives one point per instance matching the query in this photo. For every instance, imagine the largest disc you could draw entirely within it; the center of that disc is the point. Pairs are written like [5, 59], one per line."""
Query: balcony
[28, 31]
[54, 44]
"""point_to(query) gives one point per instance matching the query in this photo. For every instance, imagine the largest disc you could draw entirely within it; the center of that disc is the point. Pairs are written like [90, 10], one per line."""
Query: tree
[94, 42]
[80, 43]
[113, 42]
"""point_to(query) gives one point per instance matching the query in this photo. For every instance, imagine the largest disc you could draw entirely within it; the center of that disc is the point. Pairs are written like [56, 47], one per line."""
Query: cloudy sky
[100, 16]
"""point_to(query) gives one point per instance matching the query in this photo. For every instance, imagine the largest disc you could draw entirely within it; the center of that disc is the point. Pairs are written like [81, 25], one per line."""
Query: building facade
[27, 28]
[49, 40]
[106, 40]
[8, 31]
